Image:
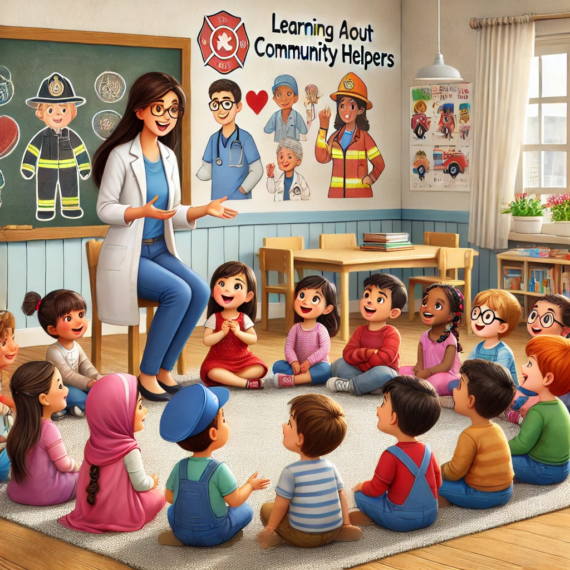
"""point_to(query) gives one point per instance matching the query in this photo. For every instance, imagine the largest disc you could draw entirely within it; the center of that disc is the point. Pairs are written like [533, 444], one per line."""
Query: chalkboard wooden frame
[105, 38]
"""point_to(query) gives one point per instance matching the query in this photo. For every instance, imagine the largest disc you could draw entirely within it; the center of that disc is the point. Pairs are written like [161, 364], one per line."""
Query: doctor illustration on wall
[231, 160]
[139, 197]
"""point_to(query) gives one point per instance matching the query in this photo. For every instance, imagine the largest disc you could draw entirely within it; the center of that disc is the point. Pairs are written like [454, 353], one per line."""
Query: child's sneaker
[447, 402]
[255, 384]
[283, 381]
[76, 411]
[336, 384]
[514, 417]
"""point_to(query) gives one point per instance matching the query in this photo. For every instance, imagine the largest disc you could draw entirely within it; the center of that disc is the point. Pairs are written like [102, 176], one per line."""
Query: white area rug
[255, 420]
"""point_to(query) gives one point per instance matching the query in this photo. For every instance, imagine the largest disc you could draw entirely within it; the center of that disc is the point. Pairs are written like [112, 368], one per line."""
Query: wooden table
[345, 261]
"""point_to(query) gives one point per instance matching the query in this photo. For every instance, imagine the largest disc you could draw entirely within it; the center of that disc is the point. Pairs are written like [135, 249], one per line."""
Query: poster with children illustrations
[440, 137]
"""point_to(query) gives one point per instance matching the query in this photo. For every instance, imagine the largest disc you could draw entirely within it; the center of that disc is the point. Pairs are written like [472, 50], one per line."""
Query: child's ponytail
[93, 487]
[457, 304]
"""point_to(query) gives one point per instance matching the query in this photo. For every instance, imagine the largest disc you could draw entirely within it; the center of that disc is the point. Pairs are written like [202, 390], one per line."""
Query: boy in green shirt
[541, 451]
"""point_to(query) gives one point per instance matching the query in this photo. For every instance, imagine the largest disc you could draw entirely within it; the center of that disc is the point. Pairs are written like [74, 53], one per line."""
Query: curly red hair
[552, 355]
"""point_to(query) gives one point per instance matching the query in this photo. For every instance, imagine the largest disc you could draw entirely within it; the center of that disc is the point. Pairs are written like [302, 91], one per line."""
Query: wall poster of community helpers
[440, 137]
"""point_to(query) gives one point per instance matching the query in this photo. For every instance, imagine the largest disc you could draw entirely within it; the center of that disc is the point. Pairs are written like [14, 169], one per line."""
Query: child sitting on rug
[316, 426]
[309, 340]
[541, 451]
[8, 352]
[42, 472]
[480, 474]
[229, 330]
[61, 314]
[372, 355]
[115, 494]
[439, 348]
[495, 314]
[402, 495]
[194, 419]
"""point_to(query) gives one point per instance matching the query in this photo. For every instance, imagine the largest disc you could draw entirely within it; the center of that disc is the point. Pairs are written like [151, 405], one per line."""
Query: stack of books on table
[386, 242]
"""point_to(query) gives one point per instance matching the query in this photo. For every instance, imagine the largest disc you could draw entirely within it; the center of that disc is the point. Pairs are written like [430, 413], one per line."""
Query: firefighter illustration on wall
[350, 147]
[56, 154]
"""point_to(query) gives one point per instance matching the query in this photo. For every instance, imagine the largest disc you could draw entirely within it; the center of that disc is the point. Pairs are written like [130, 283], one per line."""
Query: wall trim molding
[456, 216]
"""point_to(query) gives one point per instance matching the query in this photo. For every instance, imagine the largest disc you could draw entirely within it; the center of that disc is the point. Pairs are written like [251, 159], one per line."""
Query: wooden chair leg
[301, 274]
[467, 298]
[133, 356]
[411, 302]
[264, 310]
[149, 317]
[96, 340]
[289, 317]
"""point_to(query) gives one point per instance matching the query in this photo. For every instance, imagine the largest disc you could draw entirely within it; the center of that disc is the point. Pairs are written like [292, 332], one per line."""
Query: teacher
[139, 197]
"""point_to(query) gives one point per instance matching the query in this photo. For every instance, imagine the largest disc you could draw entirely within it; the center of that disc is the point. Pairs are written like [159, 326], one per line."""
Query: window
[543, 168]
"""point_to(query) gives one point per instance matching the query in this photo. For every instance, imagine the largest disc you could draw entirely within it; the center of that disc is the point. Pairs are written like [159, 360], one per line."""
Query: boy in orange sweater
[372, 356]
[480, 474]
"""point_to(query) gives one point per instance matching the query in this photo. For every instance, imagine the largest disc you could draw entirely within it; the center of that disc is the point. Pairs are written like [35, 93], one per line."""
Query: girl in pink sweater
[309, 340]
[42, 472]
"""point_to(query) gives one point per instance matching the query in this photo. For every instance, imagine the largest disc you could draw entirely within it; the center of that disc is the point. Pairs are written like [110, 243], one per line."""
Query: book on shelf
[542, 281]
[386, 237]
[566, 282]
[513, 279]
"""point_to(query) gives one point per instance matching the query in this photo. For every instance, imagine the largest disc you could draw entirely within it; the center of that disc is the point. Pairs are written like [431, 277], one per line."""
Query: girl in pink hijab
[113, 492]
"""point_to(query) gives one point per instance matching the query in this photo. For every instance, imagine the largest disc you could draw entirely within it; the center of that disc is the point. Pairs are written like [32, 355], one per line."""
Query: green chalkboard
[29, 62]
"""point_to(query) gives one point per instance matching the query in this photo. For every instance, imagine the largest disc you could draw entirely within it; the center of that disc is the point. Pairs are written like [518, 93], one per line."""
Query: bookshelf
[538, 276]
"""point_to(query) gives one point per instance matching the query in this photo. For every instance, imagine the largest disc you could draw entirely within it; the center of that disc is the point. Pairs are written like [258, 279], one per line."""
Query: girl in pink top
[115, 494]
[309, 340]
[42, 472]
[439, 348]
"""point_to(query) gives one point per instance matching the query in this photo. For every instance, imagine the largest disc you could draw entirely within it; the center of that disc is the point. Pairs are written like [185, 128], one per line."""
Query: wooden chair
[337, 241]
[93, 250]
[294, 242]
[280, 260]
[448, 259]
[441, 239]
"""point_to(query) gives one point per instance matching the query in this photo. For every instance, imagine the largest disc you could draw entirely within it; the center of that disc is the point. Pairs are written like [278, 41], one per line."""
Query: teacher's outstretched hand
[148, 211]
[218, 210]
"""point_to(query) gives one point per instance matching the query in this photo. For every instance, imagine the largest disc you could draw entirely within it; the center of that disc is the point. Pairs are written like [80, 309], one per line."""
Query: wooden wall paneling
[362, 228]
[315, 230]
[330, 228]
[260, 232]
[72, 264]
[475, 272]
[463, 231]
[54, 265]
[3, 276]
[231, 243]
[35, 275]
[215, 250]
[376, 227]
[85, 283]
[493, 269]
[200, 252]
[417, 237]
[184, 246]
[17, 281]
[429, 227]
[246, 253]
[440, 227]
[407, 273]
[396, 228]
[352, 228]
[284, 230]
[451, 227]
[484, 259]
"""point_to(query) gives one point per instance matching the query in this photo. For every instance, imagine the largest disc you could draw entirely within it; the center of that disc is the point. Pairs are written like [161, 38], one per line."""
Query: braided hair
[457, 306]
[93, 487]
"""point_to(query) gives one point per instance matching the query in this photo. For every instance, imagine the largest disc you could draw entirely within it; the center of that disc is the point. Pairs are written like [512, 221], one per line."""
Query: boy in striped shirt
[310, 507]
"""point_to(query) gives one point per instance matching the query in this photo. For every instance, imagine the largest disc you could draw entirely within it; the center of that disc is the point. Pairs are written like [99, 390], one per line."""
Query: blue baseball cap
[285, 80]
[190, 411]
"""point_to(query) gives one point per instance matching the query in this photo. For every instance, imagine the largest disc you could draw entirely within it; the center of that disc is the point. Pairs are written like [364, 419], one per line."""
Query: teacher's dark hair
[147, 89]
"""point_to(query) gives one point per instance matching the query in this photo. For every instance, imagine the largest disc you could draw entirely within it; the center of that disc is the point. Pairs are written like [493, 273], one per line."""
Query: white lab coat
[299, 188]
[123, 186]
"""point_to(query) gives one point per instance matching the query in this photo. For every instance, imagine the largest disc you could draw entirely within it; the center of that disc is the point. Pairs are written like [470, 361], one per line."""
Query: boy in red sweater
[402, 495]
[372, 355]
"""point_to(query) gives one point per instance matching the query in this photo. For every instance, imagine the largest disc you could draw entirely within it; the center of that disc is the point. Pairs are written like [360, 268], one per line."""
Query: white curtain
[505, 48]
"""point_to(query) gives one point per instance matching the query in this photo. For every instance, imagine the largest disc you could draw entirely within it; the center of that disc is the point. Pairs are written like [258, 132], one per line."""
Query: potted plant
[527, 214]
[559, 207]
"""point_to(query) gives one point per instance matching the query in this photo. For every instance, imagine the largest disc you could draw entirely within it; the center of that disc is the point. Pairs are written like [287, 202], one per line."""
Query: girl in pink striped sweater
[309, 340]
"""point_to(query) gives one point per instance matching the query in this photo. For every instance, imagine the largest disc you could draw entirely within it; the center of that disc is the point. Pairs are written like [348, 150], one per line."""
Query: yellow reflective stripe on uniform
[340, 182]
[28, 167]
[321, 141]
[356, 154]
[66, 161]
[85, 166]
[373, 152]
[34, 150]
[48, 164]
[46, 204]
[79, 149]
[70, 201]
[337, 153]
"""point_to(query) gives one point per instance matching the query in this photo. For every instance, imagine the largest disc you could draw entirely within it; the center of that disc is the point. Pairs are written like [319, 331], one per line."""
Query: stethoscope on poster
[235, 142]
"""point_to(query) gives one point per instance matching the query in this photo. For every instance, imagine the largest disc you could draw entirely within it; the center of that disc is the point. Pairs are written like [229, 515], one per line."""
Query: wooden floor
[539, 543]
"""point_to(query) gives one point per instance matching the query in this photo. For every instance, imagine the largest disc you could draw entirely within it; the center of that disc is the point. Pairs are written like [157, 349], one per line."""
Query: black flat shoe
[152, 396]
[170, 389]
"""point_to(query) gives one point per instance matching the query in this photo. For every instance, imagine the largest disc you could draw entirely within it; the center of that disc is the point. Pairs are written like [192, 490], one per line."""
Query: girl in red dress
[229, 330]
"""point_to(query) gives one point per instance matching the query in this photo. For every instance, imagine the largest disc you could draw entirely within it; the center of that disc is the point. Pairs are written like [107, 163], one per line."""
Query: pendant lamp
[438, 72]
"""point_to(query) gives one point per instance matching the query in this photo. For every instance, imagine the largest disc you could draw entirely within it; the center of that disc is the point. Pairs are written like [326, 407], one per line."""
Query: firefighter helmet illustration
[223, 42]
[55, 89]
[6, 85]
[352, 86]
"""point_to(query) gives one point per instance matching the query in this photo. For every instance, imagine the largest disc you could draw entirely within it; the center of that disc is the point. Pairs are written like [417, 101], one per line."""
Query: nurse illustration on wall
[139, 197]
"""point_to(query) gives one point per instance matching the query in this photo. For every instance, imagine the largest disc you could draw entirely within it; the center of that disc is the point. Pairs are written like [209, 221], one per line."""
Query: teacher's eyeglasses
[158, 110]
[546, 320]
[488, 316]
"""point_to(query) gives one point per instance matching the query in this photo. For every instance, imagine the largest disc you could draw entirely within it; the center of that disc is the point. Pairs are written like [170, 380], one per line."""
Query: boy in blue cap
[200, 486]
[287, 122]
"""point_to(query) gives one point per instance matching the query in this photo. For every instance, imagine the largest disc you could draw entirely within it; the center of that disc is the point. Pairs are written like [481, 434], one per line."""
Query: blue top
[287, 187]
[501, 354]
[346, 138]
[156, 184]
[227, 179]
[294, 128]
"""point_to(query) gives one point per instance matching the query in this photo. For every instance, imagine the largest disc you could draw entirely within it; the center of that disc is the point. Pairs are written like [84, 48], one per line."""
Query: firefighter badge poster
[440, 137]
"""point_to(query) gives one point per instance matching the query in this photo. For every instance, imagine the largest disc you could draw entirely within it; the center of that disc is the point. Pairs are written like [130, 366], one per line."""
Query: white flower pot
[528, 224]
[562, 229]
[549, 229]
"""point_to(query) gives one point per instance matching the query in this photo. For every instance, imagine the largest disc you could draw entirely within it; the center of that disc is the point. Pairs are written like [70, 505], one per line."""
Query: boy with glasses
[231, 159]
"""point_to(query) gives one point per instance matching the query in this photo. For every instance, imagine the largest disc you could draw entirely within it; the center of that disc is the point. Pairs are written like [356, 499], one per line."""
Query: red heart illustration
[257, 101]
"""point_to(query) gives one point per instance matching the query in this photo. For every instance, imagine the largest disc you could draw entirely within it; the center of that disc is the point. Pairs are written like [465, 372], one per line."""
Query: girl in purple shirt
[42, 472]
[439, 348]
[309, 340]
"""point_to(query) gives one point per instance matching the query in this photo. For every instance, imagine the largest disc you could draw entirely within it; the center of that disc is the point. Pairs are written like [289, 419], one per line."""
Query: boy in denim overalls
[208, 508]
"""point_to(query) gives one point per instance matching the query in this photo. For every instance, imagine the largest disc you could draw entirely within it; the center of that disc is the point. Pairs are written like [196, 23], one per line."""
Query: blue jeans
[4, 465]
[461, 494]
[182, 296]
[236, 519]
[363, 382]
[394, 517]
[320, 372]
[528, 470]
[76, 397]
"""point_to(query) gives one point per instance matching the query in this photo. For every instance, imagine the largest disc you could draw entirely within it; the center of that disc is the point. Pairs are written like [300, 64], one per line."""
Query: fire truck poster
[440, 136]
